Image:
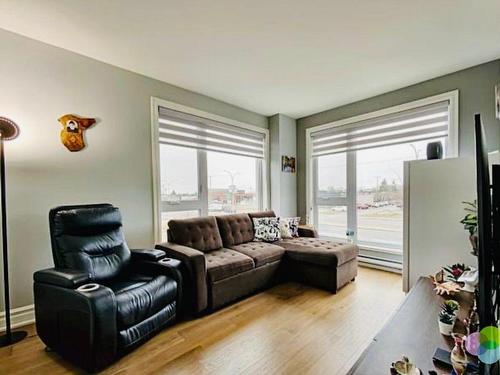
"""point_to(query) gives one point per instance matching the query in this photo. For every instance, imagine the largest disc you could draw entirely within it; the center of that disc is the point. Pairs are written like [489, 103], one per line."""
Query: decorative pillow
[289, 227]
[267, 229]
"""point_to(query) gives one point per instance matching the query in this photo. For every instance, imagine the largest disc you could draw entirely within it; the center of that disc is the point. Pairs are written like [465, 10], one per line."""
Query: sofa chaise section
[322, 263]
[311, 260]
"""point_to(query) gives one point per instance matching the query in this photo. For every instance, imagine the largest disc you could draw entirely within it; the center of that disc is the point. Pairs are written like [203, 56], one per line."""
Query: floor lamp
[8, 131]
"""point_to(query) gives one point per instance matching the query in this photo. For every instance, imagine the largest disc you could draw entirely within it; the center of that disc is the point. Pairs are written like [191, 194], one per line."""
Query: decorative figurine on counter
[458, 357]
[404, 367]
[73, 131]
[444, 287]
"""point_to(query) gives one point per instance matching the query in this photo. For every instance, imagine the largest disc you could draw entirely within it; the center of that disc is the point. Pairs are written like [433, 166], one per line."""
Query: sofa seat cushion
[261, 252]
[318, 251]
[224, 263]
[140, 297]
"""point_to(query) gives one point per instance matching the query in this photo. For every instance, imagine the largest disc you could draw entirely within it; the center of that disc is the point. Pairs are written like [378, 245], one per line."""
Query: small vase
[445, 329]
[458, 357]
[434, 150]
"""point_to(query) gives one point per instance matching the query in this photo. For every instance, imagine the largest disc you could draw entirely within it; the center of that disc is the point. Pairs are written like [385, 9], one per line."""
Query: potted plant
[450, 307]
[455, 271]
[446, 323]
[470, 223]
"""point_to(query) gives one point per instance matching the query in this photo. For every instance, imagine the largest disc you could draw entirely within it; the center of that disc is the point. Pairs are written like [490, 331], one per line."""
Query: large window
[357, 173]
[205, 167]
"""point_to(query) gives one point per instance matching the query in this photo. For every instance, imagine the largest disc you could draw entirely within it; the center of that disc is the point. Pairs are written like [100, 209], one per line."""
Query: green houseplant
[470, 223]
[450, 307]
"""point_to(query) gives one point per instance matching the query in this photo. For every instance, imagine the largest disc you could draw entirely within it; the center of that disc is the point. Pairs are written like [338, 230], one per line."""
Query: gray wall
[39, 83]
[282, 133]
[476, 86]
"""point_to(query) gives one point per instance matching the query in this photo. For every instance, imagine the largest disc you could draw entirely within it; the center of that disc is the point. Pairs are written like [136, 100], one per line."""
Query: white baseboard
[379, 266]
[19, 317]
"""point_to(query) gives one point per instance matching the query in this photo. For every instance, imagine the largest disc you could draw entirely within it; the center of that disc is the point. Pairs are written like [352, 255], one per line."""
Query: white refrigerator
[433, 235]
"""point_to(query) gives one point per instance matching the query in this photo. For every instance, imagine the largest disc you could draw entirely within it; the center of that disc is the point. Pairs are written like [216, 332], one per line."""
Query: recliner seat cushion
[132, 335]
[261, 252]
[235, 229]
[199, 233]
[224, 263]
[130, 282]
[142, 297]
[318, 251]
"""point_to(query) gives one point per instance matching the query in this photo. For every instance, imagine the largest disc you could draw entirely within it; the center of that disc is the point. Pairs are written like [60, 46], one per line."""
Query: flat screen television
[488, 215]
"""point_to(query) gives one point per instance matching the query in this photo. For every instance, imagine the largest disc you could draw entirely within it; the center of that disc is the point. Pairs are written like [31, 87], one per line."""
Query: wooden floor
[289, 329]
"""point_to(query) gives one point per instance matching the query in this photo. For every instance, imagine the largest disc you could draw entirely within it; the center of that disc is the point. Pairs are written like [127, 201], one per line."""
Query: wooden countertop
[413, 332]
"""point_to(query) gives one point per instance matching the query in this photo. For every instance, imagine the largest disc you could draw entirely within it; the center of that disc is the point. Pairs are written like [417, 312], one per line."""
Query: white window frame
[451, 147]
[201, 204]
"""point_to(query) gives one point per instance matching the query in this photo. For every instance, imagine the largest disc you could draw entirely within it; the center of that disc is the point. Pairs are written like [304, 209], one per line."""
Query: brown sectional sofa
[223, 262]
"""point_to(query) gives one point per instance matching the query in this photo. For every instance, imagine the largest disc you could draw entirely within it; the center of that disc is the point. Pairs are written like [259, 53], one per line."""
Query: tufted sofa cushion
[318, 251]
[224, 263]
[235, 229]
[199, 233]
[261, 252]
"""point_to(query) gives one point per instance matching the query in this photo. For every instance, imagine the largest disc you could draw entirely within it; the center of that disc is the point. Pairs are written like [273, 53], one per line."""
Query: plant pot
[446, 329]
[474, 241]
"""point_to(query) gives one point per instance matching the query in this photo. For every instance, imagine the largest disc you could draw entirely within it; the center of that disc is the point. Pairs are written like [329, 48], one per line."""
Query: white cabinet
[433, 235]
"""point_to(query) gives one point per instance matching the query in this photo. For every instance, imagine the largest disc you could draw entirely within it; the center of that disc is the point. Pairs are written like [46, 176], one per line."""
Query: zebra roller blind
[183, 129]
[417, 124]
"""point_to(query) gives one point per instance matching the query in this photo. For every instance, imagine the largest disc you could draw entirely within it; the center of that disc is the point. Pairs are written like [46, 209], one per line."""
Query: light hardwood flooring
[289, 329]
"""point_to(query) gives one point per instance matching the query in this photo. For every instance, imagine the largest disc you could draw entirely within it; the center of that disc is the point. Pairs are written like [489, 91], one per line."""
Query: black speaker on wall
[434, 150]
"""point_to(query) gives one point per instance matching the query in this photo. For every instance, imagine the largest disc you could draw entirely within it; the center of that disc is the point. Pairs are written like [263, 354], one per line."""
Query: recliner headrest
[86, 220]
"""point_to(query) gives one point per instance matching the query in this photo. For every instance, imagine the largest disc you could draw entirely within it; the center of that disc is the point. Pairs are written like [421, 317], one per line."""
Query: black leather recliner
[101, 299]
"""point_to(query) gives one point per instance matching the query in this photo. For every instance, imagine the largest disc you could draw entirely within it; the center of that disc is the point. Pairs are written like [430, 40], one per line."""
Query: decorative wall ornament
[72, 134]
[288, 164]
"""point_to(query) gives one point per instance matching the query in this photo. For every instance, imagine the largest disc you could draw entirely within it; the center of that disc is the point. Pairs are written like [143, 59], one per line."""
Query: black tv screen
[488, 207]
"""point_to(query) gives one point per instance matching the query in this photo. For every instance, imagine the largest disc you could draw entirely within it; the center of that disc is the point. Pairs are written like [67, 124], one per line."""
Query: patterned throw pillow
[267, 229]
[289, 227]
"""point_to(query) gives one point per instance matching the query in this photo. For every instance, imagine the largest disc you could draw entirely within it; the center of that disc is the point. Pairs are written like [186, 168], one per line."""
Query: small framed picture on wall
[288, 164]
[497, 101]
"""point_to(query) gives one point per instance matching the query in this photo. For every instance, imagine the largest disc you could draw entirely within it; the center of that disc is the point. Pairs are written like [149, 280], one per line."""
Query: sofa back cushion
[258, 215]
[199, 233]
[235, 229]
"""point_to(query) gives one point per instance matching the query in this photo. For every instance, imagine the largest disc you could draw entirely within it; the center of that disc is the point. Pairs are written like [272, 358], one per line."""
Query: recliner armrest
[65, 278]
[194, 262]
[147, 254]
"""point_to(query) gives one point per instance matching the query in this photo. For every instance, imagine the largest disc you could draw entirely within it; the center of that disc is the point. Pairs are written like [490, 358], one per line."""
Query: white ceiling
[289, 56]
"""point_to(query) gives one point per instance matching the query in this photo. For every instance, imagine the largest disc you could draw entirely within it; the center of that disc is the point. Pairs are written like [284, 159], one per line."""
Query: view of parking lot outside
[379, 193]
[232, 183]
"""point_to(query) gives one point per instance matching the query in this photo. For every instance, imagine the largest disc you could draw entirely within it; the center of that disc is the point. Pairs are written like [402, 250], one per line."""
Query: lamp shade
[8, 129]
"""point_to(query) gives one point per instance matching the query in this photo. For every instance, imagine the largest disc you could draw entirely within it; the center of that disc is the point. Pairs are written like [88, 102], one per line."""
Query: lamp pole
[8, 130]
[8, 332]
